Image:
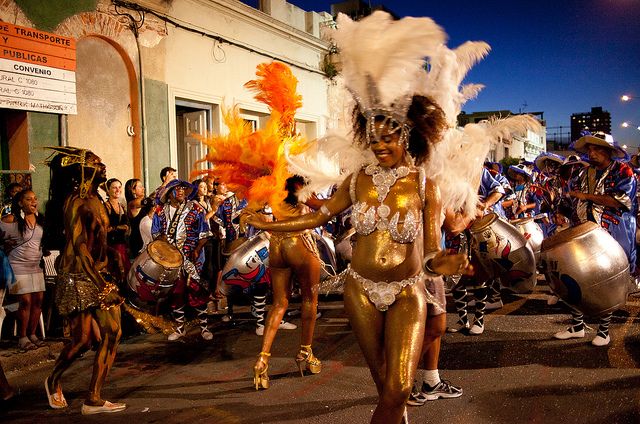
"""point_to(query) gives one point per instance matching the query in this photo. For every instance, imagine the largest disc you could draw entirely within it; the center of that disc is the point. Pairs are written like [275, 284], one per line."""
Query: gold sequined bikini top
[367, 218]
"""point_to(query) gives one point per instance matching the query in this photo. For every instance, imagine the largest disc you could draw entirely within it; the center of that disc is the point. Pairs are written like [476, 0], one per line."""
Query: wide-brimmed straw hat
[519, 169]
[574, 160]
[599, 139]
[189, 189]
[545, 156]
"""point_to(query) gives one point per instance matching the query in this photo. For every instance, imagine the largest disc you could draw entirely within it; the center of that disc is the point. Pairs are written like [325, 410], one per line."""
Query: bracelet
[108, 288]
[324, 210]
[426, 264]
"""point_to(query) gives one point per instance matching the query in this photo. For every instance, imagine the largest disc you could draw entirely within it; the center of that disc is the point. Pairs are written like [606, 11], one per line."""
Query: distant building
[526, 146]
[596, 120]
[357, 9]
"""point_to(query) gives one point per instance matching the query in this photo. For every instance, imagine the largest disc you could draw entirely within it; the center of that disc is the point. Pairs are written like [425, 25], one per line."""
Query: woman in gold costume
[393, 204]
[291, 252]
[83, 292]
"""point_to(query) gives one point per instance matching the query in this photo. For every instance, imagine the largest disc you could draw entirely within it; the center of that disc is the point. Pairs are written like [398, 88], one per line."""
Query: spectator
[141, 227]
[167, 174]
[133, 194]
[9, 192]
[118, 225]
[22, 232]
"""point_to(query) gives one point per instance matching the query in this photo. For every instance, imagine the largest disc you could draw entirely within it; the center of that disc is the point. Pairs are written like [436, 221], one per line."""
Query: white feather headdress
[381, 59]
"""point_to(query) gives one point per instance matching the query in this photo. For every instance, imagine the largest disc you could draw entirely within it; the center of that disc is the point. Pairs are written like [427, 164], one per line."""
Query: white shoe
[175, 335]
[601, 341]
[569, 334]
[206, 334]
[107, 407]
[494, 305]
[458, 328]
[284, 325]
[476, 329]
[259, 330]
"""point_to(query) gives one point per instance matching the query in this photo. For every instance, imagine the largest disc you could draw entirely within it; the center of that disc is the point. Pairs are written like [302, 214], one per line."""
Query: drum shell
[150, 281]
[246, 264]
[589, 271]
[532, 233]
[502, 249]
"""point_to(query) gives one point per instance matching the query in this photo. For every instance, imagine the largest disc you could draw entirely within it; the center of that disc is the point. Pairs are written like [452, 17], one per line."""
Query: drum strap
[591, 188]
[173, 225]
[591, 180]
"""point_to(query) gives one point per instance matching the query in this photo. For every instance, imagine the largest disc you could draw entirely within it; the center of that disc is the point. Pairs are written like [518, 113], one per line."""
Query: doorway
[193, 121]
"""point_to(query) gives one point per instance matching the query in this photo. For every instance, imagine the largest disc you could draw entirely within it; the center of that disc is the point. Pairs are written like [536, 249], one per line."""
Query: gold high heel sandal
[314, 365]
[260, 376]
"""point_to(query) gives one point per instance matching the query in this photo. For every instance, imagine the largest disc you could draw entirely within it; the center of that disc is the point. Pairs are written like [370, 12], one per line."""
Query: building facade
[526, 146]
[153, 74]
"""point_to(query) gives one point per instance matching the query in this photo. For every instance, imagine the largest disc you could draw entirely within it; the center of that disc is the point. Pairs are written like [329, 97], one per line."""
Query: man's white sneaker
[601, 341]
[206, 334]
[176, 334]
[476, 329]
[458, 328]
[494, 305]
[569, 333]
[284, 325]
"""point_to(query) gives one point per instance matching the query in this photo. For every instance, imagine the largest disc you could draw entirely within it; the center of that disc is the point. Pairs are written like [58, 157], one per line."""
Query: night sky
[555, 56]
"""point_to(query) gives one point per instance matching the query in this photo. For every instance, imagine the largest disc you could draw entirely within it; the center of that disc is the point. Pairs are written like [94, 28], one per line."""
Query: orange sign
[38, 47]
[37, 70]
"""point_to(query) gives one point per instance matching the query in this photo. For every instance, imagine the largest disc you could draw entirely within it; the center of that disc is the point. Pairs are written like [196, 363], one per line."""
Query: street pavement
[513, 373]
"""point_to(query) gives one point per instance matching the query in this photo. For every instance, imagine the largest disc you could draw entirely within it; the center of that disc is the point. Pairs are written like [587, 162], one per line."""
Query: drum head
[165, 254]
[520, 221]
[480, 224]
[568, 235]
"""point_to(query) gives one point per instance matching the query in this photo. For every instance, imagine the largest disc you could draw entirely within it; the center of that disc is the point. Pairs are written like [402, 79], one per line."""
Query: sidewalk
[15, 361]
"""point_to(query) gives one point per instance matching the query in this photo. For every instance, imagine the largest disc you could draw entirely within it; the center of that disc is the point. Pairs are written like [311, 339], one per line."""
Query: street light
[625, 98]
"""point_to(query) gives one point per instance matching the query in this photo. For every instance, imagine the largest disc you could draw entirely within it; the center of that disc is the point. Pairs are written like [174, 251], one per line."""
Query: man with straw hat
[180, 222]
[604, 193]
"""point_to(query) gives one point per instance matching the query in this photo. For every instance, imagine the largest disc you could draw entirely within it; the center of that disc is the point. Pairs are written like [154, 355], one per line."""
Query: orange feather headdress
[252, 163]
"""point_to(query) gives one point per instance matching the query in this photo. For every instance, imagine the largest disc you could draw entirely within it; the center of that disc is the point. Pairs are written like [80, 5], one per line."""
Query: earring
[22, 214]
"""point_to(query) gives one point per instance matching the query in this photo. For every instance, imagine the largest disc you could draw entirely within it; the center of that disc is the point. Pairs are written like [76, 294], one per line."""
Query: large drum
[587, 268]
[501, 248]
[532, 233]
[247, 264]
[153, 273]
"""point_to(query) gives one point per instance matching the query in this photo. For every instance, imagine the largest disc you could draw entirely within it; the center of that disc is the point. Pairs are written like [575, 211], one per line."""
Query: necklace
[384, 178]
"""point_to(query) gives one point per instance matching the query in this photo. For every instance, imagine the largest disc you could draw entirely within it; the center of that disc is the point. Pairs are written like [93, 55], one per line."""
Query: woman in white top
[21, 233]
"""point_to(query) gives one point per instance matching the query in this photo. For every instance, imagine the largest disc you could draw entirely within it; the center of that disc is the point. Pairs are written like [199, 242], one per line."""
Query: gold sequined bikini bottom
[75, 292]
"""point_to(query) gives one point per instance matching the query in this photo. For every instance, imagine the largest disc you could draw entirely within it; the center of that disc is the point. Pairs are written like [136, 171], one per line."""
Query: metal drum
[587, 268]
[154, 273]
[532, 233]
[502, 248]
[247, 264]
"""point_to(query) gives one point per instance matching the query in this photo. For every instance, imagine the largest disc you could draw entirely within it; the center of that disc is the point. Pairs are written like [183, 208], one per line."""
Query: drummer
[550, 188]
[490, 192]
[524, 201]
[181, 222]
[605, 193]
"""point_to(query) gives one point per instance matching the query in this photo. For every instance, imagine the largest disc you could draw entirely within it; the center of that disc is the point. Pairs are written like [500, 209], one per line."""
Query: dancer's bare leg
[108, 321]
